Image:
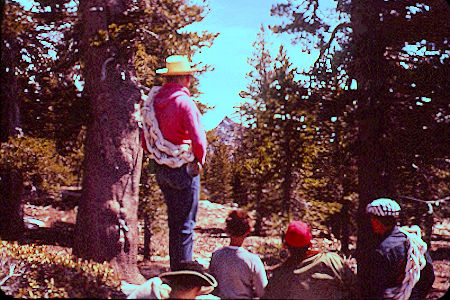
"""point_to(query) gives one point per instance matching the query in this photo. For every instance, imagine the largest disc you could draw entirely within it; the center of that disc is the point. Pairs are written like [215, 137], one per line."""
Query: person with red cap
[308, 274]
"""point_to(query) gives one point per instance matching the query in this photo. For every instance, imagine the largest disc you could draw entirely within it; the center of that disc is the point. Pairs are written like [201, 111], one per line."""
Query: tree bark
[106, 225]
[12, 225]
[368, 68]
[147, 238]
[9, 100]
[259, 209]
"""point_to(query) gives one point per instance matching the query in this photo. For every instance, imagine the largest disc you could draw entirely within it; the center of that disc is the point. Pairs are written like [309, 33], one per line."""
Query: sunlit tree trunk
[106, 225]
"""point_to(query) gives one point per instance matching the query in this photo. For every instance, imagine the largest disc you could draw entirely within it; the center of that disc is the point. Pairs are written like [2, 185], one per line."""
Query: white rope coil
[415, 263]
[161, 150]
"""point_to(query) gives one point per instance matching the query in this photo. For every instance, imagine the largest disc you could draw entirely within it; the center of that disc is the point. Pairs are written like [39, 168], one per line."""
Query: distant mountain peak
[228, 131]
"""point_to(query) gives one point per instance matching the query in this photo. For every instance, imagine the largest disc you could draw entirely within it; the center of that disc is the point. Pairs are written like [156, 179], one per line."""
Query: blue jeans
[181, 193]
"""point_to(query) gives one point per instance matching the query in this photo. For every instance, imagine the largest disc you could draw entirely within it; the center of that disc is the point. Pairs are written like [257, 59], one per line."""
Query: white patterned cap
[383, 207]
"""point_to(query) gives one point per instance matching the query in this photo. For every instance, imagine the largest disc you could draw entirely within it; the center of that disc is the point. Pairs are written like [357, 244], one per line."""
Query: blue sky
[238, 22]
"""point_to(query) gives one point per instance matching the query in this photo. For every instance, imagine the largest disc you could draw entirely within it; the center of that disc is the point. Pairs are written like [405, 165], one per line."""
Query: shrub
[39, 162]
[43, 274]
[317, 213]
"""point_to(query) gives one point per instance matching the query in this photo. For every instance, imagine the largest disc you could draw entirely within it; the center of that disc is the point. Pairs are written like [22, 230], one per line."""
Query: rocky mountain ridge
[229, 132]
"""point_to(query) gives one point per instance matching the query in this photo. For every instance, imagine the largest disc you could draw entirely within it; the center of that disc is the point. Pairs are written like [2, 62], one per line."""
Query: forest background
[369, 119]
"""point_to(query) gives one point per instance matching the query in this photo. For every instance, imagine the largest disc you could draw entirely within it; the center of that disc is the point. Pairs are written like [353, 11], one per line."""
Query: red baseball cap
[298, 234]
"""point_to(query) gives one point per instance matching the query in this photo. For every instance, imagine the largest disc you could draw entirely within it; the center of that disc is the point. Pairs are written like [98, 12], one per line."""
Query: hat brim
[165, 71]
[209, 280]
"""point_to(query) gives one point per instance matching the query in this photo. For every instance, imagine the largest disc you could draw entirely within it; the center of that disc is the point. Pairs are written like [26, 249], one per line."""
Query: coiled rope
[415, 263]
[161, 150]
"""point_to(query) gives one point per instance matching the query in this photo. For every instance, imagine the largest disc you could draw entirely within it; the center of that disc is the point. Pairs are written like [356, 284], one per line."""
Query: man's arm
[259, 278]
[195, 131]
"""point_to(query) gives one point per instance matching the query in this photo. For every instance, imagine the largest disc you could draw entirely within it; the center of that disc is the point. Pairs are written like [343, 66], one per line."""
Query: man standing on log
[176, 140]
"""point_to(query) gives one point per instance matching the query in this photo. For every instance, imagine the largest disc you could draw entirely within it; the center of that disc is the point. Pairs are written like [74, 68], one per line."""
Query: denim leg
[181, 193]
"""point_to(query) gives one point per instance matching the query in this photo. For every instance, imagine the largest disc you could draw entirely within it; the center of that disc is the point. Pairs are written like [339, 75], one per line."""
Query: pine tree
[258, 163]
[62, 53]
[292, 130]
[393, 51]
[218, 172]
[106, 227]
[16, 53]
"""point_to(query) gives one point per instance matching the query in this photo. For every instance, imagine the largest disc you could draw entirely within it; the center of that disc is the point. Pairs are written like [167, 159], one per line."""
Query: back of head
[238, 222]
[176, 78]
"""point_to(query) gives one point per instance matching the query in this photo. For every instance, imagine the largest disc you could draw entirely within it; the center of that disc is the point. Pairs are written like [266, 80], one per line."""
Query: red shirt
[179, 118]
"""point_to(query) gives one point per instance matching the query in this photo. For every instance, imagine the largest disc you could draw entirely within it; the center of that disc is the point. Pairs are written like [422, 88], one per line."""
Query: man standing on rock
[176, 140]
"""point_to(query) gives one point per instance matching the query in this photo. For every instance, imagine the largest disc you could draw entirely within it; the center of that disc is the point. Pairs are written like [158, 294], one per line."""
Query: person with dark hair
[308, 274]
[189, 281]
[239, 273]
[175, 138]
[399, 265]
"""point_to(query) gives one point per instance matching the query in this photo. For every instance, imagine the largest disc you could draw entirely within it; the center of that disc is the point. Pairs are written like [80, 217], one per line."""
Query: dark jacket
[319, 276]
[387, 263]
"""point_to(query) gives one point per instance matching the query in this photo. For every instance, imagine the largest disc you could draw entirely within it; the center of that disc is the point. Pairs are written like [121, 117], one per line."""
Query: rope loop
[415, 263]
[161, 150]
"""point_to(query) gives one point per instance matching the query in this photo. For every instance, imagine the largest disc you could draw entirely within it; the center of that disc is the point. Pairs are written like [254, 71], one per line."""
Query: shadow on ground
[215, 232]
[440, 253]
[60, 234]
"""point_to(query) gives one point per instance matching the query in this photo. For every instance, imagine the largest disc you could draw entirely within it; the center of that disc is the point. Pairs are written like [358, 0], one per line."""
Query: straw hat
[176, 65]
[193, 272]
[206, 281]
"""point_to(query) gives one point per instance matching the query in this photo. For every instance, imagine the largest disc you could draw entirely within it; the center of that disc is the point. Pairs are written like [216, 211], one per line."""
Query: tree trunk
[147, 237]
[106, 225]
[368, 68]
[345, 224]
[287, 176]
[11, 210]
[259, 209]
[9, 100]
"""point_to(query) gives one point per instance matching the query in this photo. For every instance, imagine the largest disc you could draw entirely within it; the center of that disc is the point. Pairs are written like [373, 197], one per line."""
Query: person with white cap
[399, 265]
[175, 138]
[308, 274]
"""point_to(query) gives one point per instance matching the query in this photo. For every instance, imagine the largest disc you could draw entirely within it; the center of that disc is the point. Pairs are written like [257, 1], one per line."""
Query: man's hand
[193, 168]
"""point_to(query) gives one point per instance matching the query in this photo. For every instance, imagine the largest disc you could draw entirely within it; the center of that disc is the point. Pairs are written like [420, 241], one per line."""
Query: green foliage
[317, 212]
[157, 32]
[43, 274]
[50, 90]
[378, 93]
[282, 141]
[40, 163]
[218, 170]
[257, 163]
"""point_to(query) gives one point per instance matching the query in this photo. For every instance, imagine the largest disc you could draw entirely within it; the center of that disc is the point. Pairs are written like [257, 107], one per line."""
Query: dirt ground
[52, 226]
